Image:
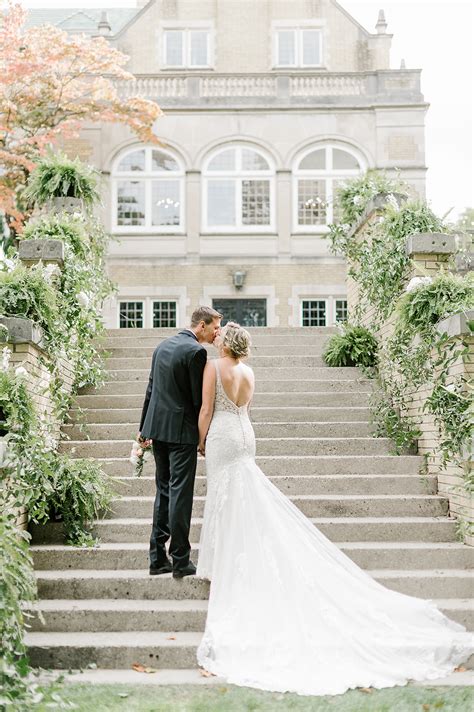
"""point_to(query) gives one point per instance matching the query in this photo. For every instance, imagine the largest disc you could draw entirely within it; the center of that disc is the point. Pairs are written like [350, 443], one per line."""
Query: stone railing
[275, 88]
[26, 342]
[429, 253]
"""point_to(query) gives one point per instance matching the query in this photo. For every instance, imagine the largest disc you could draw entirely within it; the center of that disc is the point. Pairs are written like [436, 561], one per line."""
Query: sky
[432, 35]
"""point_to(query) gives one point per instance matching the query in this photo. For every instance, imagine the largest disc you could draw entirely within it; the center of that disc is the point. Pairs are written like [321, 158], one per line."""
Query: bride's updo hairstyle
[236, 340]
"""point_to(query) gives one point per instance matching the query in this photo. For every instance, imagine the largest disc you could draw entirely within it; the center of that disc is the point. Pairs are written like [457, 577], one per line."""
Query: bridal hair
[236, 340]
[205, 314]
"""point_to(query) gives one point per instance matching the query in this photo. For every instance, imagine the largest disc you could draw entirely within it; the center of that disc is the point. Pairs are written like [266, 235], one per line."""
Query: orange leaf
[460, 668]
[171, 637]
[138, 667]
[367, 690]
[425, 707]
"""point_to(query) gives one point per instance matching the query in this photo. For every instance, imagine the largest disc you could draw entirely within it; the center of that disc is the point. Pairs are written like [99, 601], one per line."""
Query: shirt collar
[188, 331]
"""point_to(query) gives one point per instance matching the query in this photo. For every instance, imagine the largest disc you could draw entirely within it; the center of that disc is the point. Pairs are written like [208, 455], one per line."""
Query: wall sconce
[238, 279]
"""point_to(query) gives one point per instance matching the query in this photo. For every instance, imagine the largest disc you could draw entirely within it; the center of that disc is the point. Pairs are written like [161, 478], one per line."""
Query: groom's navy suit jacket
[174, 394]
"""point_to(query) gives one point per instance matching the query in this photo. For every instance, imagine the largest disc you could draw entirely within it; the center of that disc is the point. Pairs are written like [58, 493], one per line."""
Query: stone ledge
[21, 331]
[430, 243]
[456, 324]
[44, 250]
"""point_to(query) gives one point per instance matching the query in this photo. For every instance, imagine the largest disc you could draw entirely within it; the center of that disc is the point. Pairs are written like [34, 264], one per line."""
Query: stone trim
[456, 324]
[431, 243]
[22, 331]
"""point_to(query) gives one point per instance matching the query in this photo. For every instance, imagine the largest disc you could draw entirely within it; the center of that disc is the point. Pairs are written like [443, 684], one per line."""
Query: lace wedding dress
[289, 611]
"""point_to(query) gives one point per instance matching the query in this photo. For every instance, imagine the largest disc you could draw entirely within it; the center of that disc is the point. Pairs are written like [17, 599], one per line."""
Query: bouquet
[140, 454]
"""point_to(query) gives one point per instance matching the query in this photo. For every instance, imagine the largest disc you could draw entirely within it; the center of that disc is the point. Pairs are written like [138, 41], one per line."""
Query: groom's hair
[205, 314]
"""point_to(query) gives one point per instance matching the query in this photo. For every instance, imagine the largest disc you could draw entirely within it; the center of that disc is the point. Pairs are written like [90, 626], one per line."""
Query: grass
[229, 698]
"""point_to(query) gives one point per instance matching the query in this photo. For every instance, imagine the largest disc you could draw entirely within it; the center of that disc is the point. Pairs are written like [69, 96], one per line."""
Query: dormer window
[298, 46]
[187, 47]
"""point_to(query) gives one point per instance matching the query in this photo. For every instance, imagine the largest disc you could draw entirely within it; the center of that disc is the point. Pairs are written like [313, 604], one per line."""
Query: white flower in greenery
[83, 299]
[6, 354]
[417, 282]
[392, 201]
[147, 455]
[21, 372]
[451, 387]
[357, 199]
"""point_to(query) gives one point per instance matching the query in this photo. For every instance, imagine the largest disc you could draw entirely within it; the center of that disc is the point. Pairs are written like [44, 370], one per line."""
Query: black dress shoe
[165, 569]
[188, 570]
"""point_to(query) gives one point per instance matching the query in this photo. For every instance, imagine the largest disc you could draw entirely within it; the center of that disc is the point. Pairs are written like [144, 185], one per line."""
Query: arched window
[238, 191]
[148, 189]
[318, 172]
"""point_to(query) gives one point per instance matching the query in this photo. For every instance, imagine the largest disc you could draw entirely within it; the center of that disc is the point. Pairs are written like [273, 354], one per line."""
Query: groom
[170, 419]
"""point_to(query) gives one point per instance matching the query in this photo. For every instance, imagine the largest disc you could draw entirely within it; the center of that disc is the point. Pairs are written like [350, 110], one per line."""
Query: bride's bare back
[238, 381]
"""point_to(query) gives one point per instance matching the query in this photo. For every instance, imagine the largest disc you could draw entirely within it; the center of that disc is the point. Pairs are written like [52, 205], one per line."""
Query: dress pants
[175, 474]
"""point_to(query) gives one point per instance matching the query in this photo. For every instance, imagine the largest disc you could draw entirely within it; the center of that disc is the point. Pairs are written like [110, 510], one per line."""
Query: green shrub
[57, 176]
[356, 346]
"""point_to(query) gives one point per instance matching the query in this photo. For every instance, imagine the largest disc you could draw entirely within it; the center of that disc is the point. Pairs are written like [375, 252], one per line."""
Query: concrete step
[381, 529]
[310, 484]
[265, 446]
[65, 615]
[281, 373]
[296, 465]
[313, 506]
[257, 414]
[367, 555]
[293, 331]
[254, 361]
[293, 350]
[295, 386]
[324, 399]
[137, 584]
[128, 431]
[257, 340]
[113, 650]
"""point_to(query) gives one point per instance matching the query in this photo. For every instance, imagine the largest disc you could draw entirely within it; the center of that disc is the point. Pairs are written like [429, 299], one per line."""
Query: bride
[288, 610]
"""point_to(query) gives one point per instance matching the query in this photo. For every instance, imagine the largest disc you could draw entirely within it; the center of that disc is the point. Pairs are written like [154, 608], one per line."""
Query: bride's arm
[207, 408]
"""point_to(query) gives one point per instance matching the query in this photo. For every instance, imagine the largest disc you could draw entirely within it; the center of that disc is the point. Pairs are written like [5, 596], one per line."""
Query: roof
[80, 19]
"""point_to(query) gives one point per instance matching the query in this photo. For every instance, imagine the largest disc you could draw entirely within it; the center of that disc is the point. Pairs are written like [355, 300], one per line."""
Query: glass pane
[313, 312]
[131, 315]
[246, 312]
[134, 161]
[165, 202]
[224, 161]
[131, 202]
[255, 202]
[316, 160]
[341, 309]
[162, 162]
[253, 161]
[311, 46]
[286, 47]
[164, 314]
[174, 48]
[342, 159]
[336, 205]
[221, 202]
[198, 41]
[311, 202]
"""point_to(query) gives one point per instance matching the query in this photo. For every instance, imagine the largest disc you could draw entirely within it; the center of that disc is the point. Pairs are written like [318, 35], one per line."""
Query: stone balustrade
[275, 88]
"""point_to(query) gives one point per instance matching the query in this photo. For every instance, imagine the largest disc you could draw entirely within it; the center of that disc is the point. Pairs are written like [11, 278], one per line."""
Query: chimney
[104, 27]
[381, 25]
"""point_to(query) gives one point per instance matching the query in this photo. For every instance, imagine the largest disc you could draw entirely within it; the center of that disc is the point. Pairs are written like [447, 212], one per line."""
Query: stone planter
[67, 205]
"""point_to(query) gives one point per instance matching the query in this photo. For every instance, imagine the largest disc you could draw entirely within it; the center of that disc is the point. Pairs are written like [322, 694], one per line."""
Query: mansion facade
[269, 106]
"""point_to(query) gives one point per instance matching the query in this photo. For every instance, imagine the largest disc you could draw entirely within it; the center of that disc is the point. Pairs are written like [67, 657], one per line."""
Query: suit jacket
[174, 393]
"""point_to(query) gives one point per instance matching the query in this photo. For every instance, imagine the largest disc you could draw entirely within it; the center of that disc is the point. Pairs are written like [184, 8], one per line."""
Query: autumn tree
[50, 83]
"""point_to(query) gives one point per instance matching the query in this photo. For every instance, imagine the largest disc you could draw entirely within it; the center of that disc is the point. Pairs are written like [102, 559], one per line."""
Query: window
[341, 309]
[238, 191]
[298, 47]
[318, 173]
[187, 47]
[131, 315]
[148, 189]
[164, 314]
[313, 312]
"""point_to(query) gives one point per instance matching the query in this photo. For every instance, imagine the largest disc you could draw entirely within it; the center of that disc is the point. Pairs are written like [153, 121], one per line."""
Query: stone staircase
[313, 441]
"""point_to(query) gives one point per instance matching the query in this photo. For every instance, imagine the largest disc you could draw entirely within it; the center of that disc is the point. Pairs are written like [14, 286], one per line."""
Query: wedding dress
[288, 610]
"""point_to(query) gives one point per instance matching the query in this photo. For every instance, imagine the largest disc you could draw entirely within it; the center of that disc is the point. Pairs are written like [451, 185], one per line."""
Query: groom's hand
[143, 441]
[202, 449]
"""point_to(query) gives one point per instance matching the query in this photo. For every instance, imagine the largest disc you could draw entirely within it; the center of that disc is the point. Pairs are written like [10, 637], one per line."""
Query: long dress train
[288, 610]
